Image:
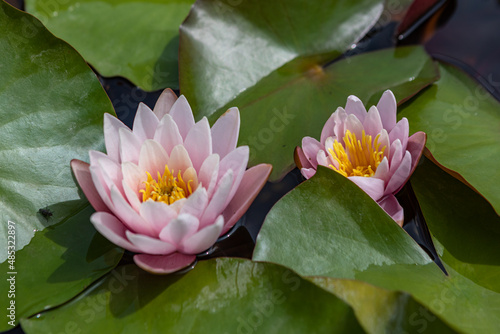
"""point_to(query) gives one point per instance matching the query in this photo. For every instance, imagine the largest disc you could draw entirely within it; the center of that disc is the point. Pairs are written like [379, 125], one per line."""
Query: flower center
[167, 188]
[358, 157]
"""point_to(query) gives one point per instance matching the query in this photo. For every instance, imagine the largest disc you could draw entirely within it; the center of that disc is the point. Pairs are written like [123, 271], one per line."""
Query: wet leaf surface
[462, 122]
[137, 40]
[60, 262]
[217, 296]
[335, 230]
[51, 111]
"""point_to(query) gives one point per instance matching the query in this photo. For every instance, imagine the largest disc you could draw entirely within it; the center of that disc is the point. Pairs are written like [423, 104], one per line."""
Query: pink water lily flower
[168, 188]
[369, 148]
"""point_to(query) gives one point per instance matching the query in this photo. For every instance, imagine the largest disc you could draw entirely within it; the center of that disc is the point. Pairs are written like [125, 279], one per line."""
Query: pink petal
[355, 107]
[128, 216]
[179, 160]
[329, 156]
[253, 181]
[327, 130]
[185, 225]
[308, 172]
[145, 123]
[208, 174]
[153, 158]
[111, 228]
[415, 146]
[387, 108]
[130, 146]
[100, 186]
[167, 134]
[104, 179]
[303, 162]
[353, 124]
[132, 197]
[382, 171]
[84, 179]
[177, 205]
[157, 214]
[236, 161]
[133, 176]
[322, 158]
[164, 103]
[371, 185]
[340, 116]
[150, 245]
[190, 177]
[225, 132]
[111, 172]
[204, 238]
[391, 206]
[372, 123]
[383, 140]
[111, 137]
[401, 132]
[396, 155]
[183, 115]
[329, 144]
[198, 142]
[163, 264]
[196, 204]
[310, 147]
[400, 176]
[217, 203]
[96, 155]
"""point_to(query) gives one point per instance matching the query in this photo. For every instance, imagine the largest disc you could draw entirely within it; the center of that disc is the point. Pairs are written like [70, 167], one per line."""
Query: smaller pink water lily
[168, 188]
[369, 148]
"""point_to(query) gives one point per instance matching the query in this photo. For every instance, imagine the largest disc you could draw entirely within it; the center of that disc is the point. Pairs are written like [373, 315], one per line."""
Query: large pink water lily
[170, 187]
[369, 148]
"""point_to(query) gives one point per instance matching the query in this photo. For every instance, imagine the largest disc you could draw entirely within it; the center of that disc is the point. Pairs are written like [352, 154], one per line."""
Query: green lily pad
[221, 54]
[462, 122]
[383, 311]
[138, 40]
[51, 111]
[60, 262]
[465, 225]
[218, 296]
[334, 229]
[334, 223]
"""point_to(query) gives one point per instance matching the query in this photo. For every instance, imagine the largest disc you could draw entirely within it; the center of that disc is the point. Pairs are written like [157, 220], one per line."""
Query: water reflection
[465, 34]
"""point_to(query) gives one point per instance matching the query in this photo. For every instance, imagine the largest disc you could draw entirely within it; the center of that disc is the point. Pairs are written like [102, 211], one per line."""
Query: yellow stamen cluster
[359, 157]
[166, 188]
